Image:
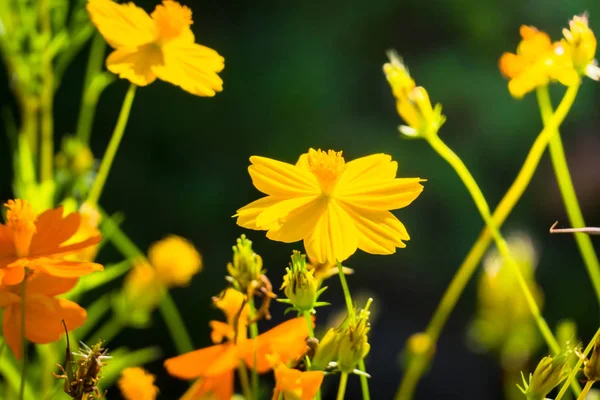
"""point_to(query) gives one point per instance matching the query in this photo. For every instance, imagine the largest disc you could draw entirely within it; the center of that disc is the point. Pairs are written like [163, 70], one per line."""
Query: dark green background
[309, 74]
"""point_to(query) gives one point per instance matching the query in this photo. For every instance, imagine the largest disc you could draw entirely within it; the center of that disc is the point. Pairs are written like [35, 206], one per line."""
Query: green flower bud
[548, 374]
[327, 351]
[246, 267]
[300, 286]
[353, 341]
[592, 366]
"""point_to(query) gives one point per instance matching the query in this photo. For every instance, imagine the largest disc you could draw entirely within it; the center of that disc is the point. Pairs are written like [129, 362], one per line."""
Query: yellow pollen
[327, 167]
[171, 19]
[20, 218]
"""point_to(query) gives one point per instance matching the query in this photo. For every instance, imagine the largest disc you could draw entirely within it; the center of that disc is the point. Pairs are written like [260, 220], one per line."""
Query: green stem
[342, 387]
[244, 380]
[418, 364]
[253, 336]
[23, 342]
[309, 323]
[345, 288]
[112, 148]
[95, 312]
[47, 97]
[567, 190]
[175, 324]
[10, 373]
[445, 152]
[585, 390]
[89, 103]
[364, 382]
[575, 369]
[108, 331]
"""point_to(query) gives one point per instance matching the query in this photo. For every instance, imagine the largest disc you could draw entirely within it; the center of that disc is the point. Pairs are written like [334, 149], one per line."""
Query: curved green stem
[112, 148]
[418, 364]
[108, 331]
[23, 342]
[567, 190]
[253, 336]
[47, 98]
[342, 388]
[245, 382]
[309, 323]
[585, 390]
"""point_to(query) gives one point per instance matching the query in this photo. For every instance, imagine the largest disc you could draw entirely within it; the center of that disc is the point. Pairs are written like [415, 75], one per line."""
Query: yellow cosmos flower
[333, 206]
[579, 45]
[175, 260]
[160, 45]
[137, 384]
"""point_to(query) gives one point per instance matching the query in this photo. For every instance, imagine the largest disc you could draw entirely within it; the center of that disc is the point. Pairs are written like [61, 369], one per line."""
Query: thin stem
[585, 390]
[253, 336]
[567, 190]
[364, 382]
[587, 230]
[47, 98]
[175, 324]
[418, 364]
[108, 331]
[245, 381]
[309, 323]
[112, 148]
[345, 288]
[342, 387]
[23, 342]
[575, 369]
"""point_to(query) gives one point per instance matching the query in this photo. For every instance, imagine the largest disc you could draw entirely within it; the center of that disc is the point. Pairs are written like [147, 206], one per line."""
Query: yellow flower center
[327, 167]
[171, 19]
[20, 218]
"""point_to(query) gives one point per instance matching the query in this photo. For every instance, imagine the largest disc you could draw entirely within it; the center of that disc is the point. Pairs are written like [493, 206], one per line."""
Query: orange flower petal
[511, 65]
[217, 388]
[49, 285]
[44, 316]
[11, 328]
[64, 268]
[210, 361]
[192, 67]
[311, 382]
[287, 340]
[122, 25]
[52, 229]
[12, 275]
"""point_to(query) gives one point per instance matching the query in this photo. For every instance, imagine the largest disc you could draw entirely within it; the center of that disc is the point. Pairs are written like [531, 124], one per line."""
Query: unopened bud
[246, 266]
[548, 374]
[353, 340]
[300, 286]
[327, 350]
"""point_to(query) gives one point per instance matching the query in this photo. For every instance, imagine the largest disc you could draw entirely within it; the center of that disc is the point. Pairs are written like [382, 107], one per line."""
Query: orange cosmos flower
[137, 384]
[38, 242]
[214, 366]
[160, 45]
[334, 206]
[294, 384]
[43, 312]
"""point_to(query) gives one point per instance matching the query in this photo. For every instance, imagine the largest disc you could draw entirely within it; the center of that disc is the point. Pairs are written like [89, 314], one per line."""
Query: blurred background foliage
[308, 74]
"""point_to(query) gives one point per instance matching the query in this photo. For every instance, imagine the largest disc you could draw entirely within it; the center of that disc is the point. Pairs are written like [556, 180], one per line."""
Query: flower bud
[327, 350]
[592, 366]
[246, 266]
[299, 284]
[548, 374]
[581, 41]
[353, 341]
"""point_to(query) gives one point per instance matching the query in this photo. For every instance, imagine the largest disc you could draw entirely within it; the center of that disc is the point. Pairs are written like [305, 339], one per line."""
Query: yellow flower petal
[135, 64]
[277, 178]
[365, 169]
[192, 67]
[274, 216]
[386, 195]
[122, 25]
[300, 222]
[246, 216]
[335, 237]
[379, 232]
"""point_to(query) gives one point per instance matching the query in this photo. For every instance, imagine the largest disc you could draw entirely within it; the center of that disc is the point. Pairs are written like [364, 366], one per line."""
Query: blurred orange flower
[334, 206]
[175, 260]
[160, 45]
[43, 312]
[214, 366]
[295, 384]
[38, 242]
[137, 384]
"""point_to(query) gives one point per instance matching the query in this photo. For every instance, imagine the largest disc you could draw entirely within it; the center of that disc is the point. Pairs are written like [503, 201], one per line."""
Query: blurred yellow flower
[334, 206]
[580, 45]
[141, 288]
[90, 220]
[137, 384]
[412, 102]
[160, 45]
[175, 260]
